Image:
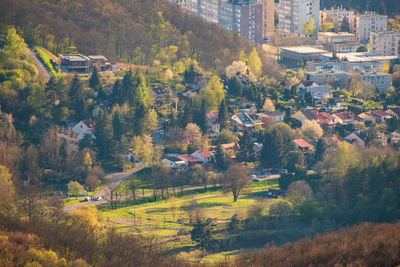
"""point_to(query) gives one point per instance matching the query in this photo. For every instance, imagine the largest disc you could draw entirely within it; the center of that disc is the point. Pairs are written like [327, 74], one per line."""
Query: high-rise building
[244, 17]
[207, 9]
[268, 17]
[335, 15]
[293, 14]
[385, 43]
[363, 25]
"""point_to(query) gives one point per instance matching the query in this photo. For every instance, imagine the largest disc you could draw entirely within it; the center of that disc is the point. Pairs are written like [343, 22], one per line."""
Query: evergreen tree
[222, 159]
[344, 26]
[201, 232]
[201, 118]
[104, 136]
[77, 99]
[187, 115]
[118, 125]
[141, 93]
[117, 93]
[223, 115]
[140, 113]
[246, 147]
[94, 81]
[320, 150]
[235, 88]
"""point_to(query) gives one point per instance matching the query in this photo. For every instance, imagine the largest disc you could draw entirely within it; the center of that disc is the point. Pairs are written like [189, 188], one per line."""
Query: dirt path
[112, 178]
[42, 70]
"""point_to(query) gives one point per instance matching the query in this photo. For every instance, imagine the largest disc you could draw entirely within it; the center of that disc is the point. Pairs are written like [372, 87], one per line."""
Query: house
[321, 118]
[275, 116]
[70, 136]
[161, 94]
[345, 118]
[174, 163]
[394, 112]
[213, 125]
[380, 115]
[368, 116]
[204, 155]
[85, 127]
[318, 92]
[243, 120]
[189, 160]
[83, 64]
[303, 146]
[231, 148]
[358, 138]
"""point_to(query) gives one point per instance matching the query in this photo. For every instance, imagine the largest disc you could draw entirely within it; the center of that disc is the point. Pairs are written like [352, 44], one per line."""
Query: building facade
[341, 42]
[335, 15]
[385, 43]
[363, 25]
[244, 17]
[268, 17]
[293, 14]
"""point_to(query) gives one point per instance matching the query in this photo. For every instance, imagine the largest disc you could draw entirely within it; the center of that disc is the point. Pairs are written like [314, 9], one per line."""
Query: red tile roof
[204, 153]
[189, 158]
[303, 143]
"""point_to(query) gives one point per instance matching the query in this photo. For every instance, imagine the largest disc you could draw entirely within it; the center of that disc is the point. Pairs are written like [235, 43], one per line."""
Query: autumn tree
[236, 179]
[268, 105]
[7, 201]
[311, 129]
[194, 136]
[144, 149]
[309, 27]
[254, 63]
[75, 189]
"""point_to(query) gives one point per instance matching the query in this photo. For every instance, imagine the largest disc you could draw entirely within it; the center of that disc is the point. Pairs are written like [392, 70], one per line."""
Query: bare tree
[235, 180]
[112, 194]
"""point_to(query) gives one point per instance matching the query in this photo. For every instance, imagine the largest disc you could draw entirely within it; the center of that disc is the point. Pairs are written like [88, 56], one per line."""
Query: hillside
[386, 7]
[136, 31]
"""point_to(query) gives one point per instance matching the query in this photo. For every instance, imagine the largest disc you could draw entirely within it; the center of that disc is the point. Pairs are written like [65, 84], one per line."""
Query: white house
[213, 125]
[174, 163]
[203, 155]
[85, 127]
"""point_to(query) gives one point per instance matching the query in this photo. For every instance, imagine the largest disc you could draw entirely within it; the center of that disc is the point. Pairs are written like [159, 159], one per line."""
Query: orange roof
[303, 143]
[230, 146]
[204, 153]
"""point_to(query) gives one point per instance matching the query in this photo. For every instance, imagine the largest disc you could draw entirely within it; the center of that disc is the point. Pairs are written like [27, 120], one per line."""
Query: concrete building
[380, 80]
[385, 43]
[206, 9]
[363, 25]
[244, 17]
[341, 42]
[300, 54]
[268, 16]
[335, 15]
[292, 15]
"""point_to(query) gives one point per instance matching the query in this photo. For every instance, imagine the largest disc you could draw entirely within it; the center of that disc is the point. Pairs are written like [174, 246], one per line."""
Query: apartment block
[268, 26]
[385, 43]
[335, 15]
[341, 42]
[363, 25]
[244, 17]
[293, 14]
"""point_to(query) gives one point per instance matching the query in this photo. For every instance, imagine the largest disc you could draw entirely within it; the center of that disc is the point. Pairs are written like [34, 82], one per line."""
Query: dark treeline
[386, 7]
[130, 31]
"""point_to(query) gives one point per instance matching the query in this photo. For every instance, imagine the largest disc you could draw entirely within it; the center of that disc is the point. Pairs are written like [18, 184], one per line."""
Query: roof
[77, 57]
[274, 113]
[173, 159]
[303, 49]
[318, 89]
[212, 116]
[91, 124]
[360, 56]
[307, 83]
[380, 113]
[160, 90]
[396, 111]
[204, 153]
[97, 57]
[188, 158]
[230, 146]
[336, 34]
[303, 143]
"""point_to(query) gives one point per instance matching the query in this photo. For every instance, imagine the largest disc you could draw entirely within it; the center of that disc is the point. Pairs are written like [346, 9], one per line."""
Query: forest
[385, 7]
[123, 31]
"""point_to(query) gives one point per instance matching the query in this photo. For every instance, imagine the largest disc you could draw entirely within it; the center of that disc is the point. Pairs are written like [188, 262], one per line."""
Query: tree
[235, 180]
[327, 27]
[312, 130]
[94, 81]
[320, 150]
[235, 225]
[344, 26]
[87, 163]
[246, 152]
[309, 27]
[112, 194]
[143, 149]
[280, 207]
[223, 115]
[201, 232]
[226, 136]
[7, 192]
[174, 206]
[277, 144]
[346, 156]
[396, 80]
[201, 117]
[213, 93]
[117, 125]
[194, 136]
[237, 67]
[77, 99]
[75, 189]
[104, 136]
[268, 105]
[190, 209]
[254, 63]
[198, 176]
[222, 158]
[367, 90]
[355, 84]
[298, 192]
[234, 86]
